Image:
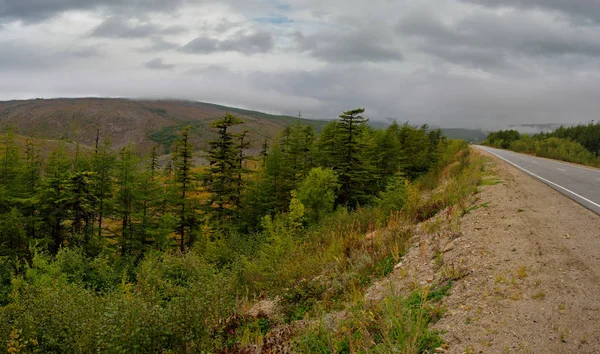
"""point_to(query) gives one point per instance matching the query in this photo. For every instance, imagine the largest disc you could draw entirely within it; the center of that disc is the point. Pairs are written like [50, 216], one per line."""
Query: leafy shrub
[395, 195]
[317, 192]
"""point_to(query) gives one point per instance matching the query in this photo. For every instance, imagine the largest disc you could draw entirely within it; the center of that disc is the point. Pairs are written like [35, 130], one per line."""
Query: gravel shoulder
[532, 259]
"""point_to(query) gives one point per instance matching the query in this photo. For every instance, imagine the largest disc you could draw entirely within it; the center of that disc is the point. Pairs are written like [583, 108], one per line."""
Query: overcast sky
[468, 63]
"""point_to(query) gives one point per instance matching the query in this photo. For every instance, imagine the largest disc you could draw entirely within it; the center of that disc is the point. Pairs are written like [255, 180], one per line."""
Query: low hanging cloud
[253, 43]
[157, 64]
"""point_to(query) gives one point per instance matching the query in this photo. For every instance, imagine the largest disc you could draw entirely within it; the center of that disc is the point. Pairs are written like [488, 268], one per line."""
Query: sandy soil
[526, 269]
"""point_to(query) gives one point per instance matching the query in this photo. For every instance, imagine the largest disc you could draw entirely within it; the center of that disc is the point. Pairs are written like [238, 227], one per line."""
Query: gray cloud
[363, 45]
[85, 52]
[157, 64]
[492, 40]
[119, 27]
[19, 55]
[582, 9]
[253, 43]
[38, 10]
[467, 63]
[158, 45]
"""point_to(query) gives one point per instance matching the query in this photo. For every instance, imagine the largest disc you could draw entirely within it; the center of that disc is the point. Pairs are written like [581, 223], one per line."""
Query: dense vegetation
[104, 250]
[578, 144]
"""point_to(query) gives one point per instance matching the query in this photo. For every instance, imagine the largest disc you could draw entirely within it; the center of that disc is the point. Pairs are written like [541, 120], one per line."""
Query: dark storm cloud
[37, 10]
[582, 9]
[253, 43]
[349, 47]
[157, 64]
[493, 40]
[119, 27]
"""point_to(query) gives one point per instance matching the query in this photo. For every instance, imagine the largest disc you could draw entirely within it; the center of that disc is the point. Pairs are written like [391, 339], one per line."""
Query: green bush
[317, 193]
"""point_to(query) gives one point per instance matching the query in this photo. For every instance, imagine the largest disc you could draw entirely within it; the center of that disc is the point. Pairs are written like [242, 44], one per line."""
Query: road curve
[582, 184]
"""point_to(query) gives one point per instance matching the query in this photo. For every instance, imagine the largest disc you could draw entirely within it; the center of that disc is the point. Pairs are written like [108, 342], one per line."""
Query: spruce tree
[350, 162]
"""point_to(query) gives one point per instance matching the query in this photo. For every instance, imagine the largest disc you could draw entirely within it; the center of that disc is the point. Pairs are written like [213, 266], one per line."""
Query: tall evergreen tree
[78, 199]
[30, 180]
[127, 171]
[350, 160]
[388, 154]
[103, 164]
[53, 210]
[223, 179]
[183, 164]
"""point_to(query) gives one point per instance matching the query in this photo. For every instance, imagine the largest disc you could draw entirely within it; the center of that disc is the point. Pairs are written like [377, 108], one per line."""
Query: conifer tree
[264, 151]
[78, 199]
[127, 170]
[53, 210]
[183, 165]
[149, 199]
[30, 181]
[416, 147]
[349, 162]
[388, 154]
[224, 173]
[10, 167]
[103, 164]
[326, 155]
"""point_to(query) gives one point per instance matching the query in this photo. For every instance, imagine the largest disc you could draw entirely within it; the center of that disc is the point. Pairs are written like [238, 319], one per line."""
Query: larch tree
[222, 180]
[183, 164]
[103, 164]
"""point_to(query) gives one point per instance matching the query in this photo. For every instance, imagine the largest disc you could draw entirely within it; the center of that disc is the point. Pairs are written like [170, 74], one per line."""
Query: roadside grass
[475, 207]
[396, 324]
[330, 271]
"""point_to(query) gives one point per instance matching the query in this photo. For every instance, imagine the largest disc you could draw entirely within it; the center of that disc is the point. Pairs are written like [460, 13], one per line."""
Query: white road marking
[545, 180]
[560, 169]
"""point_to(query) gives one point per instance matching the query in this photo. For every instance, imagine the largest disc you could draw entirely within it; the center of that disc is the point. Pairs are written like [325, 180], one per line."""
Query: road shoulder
[533, 284]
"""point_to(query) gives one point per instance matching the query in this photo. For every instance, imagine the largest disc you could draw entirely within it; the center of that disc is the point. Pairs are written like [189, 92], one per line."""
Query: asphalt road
[580, 183]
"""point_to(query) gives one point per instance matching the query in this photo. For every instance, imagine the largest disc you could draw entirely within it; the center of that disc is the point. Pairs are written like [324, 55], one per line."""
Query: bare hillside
[143, 123]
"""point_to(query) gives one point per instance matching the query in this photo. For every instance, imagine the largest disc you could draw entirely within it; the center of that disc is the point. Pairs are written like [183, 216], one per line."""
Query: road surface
[582, 184]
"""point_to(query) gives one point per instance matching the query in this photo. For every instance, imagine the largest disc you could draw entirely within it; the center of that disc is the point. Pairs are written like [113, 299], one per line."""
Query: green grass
[396, 324]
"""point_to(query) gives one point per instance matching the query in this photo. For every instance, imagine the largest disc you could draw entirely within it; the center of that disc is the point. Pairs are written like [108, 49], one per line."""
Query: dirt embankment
[526, 265]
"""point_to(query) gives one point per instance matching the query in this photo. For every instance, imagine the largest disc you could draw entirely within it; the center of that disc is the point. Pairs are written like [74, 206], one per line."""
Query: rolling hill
[143, 123]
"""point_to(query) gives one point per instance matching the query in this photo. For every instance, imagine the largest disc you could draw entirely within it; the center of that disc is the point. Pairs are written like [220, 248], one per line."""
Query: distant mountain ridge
[143, 123]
